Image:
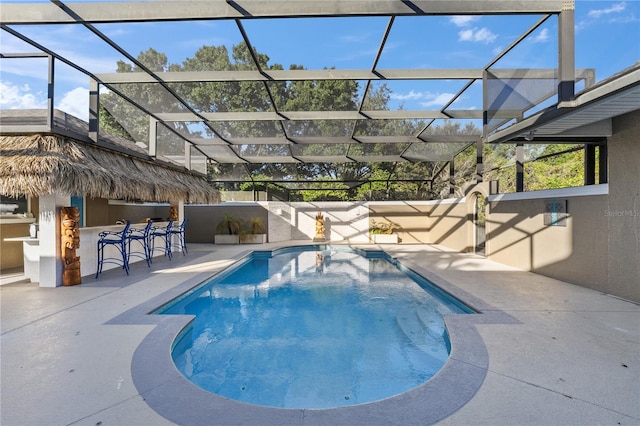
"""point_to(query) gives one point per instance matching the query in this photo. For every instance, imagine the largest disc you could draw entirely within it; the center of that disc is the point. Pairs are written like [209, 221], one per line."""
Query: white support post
[566, 52]
[153, 137]
[187, 155]
[94, 110]
[49, 234]
[180, 211]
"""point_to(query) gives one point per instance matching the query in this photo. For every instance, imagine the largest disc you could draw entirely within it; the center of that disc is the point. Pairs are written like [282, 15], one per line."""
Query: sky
[607, 40]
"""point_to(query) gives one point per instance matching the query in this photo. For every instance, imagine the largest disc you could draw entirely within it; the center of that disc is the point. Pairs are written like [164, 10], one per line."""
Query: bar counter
[11, 255]
[88, 251]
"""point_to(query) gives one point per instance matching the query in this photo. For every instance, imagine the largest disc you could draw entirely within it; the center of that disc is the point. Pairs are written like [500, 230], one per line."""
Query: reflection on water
[312, 329]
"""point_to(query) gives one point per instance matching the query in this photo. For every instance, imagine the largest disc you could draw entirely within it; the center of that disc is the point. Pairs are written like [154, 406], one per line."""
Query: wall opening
[479, 221]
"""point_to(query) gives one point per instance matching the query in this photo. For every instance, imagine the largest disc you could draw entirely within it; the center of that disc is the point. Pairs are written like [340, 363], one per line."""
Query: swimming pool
[313, 327]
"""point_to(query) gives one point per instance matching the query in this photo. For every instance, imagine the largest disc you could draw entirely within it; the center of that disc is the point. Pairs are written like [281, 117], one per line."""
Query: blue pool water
[313, 327]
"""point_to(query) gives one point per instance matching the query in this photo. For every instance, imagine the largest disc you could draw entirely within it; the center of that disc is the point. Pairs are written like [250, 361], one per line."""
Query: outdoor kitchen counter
[12, 256]
[27, 254]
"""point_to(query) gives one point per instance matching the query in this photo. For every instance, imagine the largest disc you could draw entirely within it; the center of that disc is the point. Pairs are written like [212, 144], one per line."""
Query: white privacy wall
[297, 221]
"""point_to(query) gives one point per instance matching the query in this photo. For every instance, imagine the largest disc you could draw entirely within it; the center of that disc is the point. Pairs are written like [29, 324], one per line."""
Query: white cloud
[465, 35]
[437, 99]
[76, 103]
[34, 68]
[623, 19]
[354, 38]
[463, 21]
[84, 51]
[542, 36]
[20, 97]
[613, 13]
[116, 32]
[616, 8]
[348, 56]
[427, 99]
[411, 96]
[482, 35]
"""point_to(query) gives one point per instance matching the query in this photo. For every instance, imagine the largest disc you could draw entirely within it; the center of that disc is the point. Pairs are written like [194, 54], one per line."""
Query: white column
[49, 235]
[180, 211]
[175, 241]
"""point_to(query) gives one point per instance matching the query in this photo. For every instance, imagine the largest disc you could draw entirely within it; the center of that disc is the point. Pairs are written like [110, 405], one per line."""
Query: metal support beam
[385, 36]
[187, 155]
[318, 115]
[153, 137]
[135, 61]
[485, 104]
[50, 91]
[172, 10]
[589, 164]
[485, 126]
[603, 163]
[94, 110]
[479, 165]
[519, 167]
[473, 74]
[78, 68]
[452, 177]
[303, 75]
[566, 51]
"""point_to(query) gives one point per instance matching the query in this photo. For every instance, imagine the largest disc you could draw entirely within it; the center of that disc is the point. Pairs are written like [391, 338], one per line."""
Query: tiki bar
[65, 186]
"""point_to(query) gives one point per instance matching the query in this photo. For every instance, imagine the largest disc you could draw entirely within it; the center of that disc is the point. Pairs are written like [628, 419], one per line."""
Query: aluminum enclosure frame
[13, 15]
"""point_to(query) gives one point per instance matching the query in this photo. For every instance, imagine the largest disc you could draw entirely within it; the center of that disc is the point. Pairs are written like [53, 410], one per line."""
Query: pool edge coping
[166, 390]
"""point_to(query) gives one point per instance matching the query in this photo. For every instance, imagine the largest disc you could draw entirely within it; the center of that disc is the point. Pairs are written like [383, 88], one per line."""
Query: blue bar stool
[118, 239]
[165, 235]
[179, 231]
[142, 237]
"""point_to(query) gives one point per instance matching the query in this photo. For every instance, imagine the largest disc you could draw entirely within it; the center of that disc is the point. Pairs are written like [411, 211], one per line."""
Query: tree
[120, 117]
[413, 179]
[335, 190]
[559, 171]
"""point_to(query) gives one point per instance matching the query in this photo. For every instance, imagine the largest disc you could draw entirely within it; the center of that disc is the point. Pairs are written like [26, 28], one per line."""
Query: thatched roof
[37, 165]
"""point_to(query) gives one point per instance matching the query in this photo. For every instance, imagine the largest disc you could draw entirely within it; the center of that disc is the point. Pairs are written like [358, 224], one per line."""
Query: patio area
[568, 355]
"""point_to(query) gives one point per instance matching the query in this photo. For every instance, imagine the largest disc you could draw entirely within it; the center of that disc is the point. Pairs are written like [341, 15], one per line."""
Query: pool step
[421, 337]
[431, 318]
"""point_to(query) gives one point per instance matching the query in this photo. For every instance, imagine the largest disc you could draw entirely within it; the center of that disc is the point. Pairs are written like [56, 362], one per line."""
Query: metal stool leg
[118, 239]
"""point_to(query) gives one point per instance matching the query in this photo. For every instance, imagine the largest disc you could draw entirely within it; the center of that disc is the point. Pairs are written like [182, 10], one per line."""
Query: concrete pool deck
[569, 356]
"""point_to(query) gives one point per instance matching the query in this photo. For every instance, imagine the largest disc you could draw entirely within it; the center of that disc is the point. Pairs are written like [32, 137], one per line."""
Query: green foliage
[334, 191]
[560, 171]
[556, 171]
[229, 225]
[254, 226]
[481, 210]
[413, 180]
[376, 190]
[119, 117]
[499, 164]
[386, 227]
[255, 184]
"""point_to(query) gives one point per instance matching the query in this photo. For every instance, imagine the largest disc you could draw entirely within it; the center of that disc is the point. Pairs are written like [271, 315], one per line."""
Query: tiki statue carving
[319, 228]
[173, 213]
[70, 239]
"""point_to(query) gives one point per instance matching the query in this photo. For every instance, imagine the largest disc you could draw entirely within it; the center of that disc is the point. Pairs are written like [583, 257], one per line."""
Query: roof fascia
[173, 10]
[615, 86]
[323, 115]
[291, 75]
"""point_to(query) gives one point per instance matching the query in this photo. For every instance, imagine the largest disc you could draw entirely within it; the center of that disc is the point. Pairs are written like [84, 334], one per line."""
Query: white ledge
[7, 221]
[578, 191]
